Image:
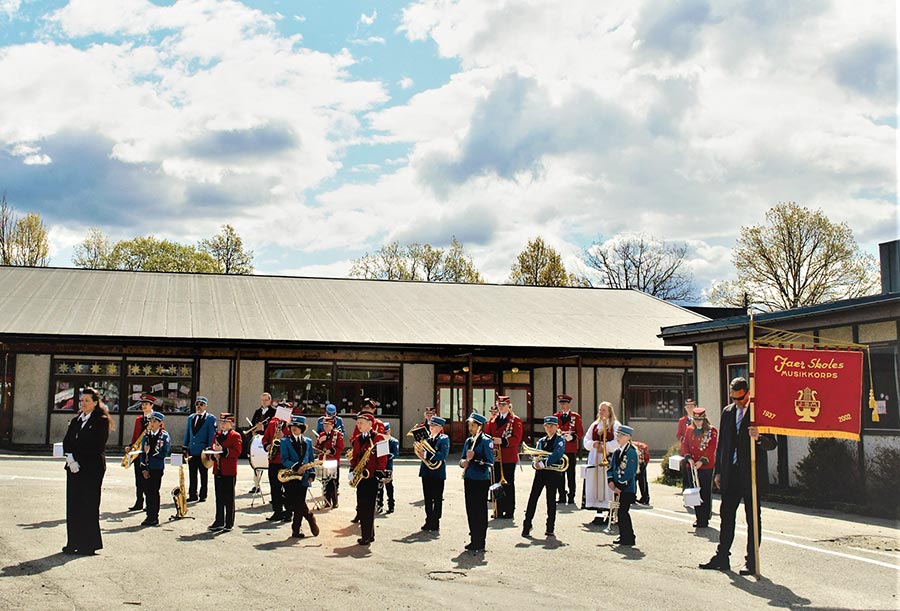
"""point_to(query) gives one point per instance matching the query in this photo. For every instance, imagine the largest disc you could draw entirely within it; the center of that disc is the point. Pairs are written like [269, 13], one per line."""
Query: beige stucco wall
[878, 332]
[32, 400]
[542, 382]
[734, 348]
[214, 382]
[418, 393]
[609, 388]
[709, 390]
[841, 334]
[252, 376]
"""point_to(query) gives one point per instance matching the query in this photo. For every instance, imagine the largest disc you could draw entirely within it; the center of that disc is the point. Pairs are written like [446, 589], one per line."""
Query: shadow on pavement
[418, 536]
[44, 524]
[628, 553]
[206, 536]
[777, 595]
[710, 534]
[36, 566]
[289, 542]
[351, 551]
[546, 543]
[468, 560]
[351, 530]
[126, 529]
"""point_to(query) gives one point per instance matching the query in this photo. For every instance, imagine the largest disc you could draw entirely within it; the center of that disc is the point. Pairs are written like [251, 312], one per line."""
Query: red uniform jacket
[572, 425]
[231, 450]
[509, 431]
[140, 424]
[269, 436]
[702, 448]
[643, 453]
[683, 424]
[375, 463]
[330, 446]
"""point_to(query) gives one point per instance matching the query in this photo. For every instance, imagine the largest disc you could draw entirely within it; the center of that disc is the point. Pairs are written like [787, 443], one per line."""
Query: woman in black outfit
[84, 446]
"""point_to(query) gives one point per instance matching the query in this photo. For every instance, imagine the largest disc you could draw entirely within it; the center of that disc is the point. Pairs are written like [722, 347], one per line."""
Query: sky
[323, 129]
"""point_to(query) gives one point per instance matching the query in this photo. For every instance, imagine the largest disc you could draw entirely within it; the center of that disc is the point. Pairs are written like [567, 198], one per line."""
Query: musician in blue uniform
[297, 451]
[620, 478]
[330, 412]
[388, 483]
[477, 463]
[155, 447]
[545, 478]
[198, 436]
[433, 479]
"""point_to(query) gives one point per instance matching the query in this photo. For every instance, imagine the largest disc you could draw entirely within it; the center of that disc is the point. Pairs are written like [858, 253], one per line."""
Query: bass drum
[259, 458]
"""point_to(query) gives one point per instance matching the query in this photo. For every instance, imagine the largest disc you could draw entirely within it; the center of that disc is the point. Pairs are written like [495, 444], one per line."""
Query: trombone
[539, 455]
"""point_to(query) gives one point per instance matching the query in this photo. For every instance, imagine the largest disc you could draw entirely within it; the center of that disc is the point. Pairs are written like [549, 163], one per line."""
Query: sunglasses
[741, 398]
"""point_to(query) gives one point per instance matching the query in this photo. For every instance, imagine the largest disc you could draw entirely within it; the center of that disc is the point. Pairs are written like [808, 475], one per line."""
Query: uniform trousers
[506, 506]
[548, 482]
[276, 488]
[731, 498]
[225, 499]
[704, 510]
[83, 509]
[139, 491]
[195, 466]
[433, 492]
[151, 489]
[390, 494]
[626, 529]
[295, 500]
[476, 491]
[570, 476]
[366, 492]
[642, 484]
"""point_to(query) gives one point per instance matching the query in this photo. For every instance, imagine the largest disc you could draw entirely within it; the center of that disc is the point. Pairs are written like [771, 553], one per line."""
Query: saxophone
[360, 472]
[289, 475]
[128, 458]
[275, 447]
[179, 495]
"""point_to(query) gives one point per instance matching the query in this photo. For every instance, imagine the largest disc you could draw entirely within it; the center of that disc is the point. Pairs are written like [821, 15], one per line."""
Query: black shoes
[286, 517]
[571, 500]
[297, 535]
[202, 499]
[191, 499]
[69, 550]
[355, 519]
[716, 564]
[526, 530]
[362, 541]
[136, 507]
[550, 533]
[150, 522]
[561, 501]
[699, 524]
[626, 543]
[313, 526]
[275, 517]
[215, 526]
[747, 570]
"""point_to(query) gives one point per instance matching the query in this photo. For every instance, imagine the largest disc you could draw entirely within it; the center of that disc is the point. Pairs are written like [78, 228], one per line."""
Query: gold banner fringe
[776, 430]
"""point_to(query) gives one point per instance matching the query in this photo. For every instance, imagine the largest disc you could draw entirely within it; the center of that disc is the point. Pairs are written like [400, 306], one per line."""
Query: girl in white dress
[602, 431]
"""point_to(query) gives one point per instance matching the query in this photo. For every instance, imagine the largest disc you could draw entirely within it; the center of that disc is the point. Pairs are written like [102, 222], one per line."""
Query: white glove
[70, 460]
[74, 467]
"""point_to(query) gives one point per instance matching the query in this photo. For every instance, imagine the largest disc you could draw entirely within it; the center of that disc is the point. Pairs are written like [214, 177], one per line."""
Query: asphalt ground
[809, 559]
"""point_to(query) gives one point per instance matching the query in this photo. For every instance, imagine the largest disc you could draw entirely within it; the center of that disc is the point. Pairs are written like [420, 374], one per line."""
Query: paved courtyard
[810, 560]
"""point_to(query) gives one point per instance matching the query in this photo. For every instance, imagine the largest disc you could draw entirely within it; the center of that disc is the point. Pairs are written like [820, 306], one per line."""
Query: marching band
[490, 454]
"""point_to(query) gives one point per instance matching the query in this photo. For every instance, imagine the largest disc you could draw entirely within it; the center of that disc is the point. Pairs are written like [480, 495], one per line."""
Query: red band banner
[808, 393]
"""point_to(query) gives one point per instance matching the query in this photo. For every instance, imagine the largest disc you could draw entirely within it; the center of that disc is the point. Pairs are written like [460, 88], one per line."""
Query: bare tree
[227, 248]
[417, 262]
[643, 263]
[30, 244]
[798, 258]
[94, 252]
[7, 231]
[540, 265]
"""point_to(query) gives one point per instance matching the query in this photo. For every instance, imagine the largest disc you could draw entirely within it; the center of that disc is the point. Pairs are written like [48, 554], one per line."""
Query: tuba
[289, 475]
[539, 455]
[128, 458]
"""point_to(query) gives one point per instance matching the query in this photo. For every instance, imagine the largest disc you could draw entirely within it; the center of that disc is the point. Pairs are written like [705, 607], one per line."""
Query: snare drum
[259, 458]
[327, 470]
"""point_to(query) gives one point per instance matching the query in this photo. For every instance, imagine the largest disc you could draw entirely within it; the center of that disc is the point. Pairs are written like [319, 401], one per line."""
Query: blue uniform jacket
[338, 424]
[556, 445]
[290, 457]
[480, 466]
[196, 443]
[155, 458]
[441, 447]
[394, 447]
[623, 467]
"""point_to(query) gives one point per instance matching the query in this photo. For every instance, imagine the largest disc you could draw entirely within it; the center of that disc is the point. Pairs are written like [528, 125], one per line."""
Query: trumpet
[539, 455]
[613, 517]
[422, 447]
[128, 458]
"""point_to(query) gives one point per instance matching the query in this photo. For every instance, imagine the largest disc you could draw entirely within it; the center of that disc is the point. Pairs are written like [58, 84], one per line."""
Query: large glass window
[308, 387]
[656, 396]
[382, 385]
[69, 376]
[171, 382]
[311, 386]
[886, 388]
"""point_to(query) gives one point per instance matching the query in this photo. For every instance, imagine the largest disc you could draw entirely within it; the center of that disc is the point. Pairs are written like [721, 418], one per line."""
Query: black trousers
[731, 499]
[83, 509]
[225, 499]
[139, 491]
[548, 482]
[295, 500]
[476, 491]
[570, 476]
[506, 506]
[626, 529]
[276, 488]
[642, 484]
[390, 494]
[151, 489]
[330, 489]
[433, 492]
[195, 466]
[704, 510]
[366, 491]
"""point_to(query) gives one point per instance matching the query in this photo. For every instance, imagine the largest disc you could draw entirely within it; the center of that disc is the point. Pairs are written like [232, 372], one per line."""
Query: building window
[308, 387]
[312, 386]
[887, 387]
[656, 396]
[381, 384]
[69, 376]
[736, 370]
[171, 382]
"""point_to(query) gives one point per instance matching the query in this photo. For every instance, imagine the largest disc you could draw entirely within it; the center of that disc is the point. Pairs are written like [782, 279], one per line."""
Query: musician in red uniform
[140, 425]
[643, 463]
[275, 431]
[368, 407]
[329, 446]
[572, 430]
[506, 431]
[228, 441]
[373, 472]
[699, 449]
[684, 423]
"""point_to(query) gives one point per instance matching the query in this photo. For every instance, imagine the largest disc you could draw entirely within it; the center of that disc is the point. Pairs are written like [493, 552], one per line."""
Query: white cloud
[9, 7]
[368, 19]
[405, 83]
[371, 40]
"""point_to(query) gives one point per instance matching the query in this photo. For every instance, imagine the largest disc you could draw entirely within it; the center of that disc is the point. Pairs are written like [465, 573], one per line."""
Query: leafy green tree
[540, 265]
[153, 254]
[227, 248]
[30, 243]
[94, 252]
[797, 258]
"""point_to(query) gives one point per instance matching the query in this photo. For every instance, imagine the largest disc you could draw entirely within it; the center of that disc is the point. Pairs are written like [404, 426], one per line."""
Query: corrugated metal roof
[96, 304]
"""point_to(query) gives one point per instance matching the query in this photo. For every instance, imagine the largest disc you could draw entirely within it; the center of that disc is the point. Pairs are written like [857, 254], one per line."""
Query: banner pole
[752, 368]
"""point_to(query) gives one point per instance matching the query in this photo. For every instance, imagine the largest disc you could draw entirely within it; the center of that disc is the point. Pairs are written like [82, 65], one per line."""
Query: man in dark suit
[732, 475]
[198, 436]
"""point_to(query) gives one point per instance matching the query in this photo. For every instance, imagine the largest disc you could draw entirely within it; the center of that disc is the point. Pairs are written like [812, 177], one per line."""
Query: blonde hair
[609, 406]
